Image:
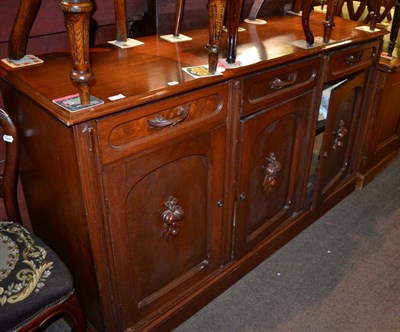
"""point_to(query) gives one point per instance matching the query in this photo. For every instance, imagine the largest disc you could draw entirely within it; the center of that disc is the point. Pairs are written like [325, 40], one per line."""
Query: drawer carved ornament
[160, 122]
[279, 83]
[129, 130]
[354, 58]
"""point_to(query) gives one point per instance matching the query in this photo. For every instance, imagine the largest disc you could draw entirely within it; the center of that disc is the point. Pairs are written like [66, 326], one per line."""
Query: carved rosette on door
[271, 169]
[170, 218]
[340, 136]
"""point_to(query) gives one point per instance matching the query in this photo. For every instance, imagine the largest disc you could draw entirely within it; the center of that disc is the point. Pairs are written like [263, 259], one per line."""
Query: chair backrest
[360, 10]
[9, 175]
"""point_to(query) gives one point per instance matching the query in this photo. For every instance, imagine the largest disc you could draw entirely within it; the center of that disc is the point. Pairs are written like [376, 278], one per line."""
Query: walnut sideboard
[161, 200]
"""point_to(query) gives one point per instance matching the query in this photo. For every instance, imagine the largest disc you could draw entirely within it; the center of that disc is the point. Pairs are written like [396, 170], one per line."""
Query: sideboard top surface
[143, 73]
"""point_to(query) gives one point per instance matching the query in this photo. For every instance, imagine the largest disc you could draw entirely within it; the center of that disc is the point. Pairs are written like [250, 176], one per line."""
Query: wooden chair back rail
[356, 9]
[377, 11]
[9, 177]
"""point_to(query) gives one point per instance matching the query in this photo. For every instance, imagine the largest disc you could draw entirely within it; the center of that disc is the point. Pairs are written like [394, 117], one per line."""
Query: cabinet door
[338, 150]
[165, 219]
[384, 129]
[272, 171]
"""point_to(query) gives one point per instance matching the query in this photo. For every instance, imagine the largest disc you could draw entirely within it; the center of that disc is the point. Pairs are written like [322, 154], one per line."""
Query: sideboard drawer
[140, 128]
[346, 62]
[269, 86]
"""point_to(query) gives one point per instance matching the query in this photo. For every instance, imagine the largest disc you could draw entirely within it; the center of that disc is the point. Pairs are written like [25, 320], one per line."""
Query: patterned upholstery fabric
[32, 277]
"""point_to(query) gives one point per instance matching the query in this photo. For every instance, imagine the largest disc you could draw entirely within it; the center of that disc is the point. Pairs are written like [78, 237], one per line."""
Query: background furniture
[36, 285]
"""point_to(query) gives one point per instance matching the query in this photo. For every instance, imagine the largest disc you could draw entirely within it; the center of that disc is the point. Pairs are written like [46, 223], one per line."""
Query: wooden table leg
[216, 12]
[120, 20]
[395, 28]
[180, 7]
[77, 18]
[234, 10]
[26, 15]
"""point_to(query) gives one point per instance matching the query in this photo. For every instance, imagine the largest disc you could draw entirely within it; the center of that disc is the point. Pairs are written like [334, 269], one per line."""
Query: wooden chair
[377, 11]
[35, 285]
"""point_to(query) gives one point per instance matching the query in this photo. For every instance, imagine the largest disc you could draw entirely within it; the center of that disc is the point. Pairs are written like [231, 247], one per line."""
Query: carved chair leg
[234, 9]
[329, 22]
[26, 15]
[216, 12]
[395, 28]
[120, 19]
[70, 309]
[255, 9]
[76, 13]
[180, 6]
[305, 21]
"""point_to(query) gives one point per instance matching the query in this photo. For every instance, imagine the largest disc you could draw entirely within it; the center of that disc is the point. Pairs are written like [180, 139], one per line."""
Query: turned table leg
[120, 19]
[26, 15]
[329, 22]
[234, 9]
[180, 6]
[77, 17]
[216, 12]
[395, 28]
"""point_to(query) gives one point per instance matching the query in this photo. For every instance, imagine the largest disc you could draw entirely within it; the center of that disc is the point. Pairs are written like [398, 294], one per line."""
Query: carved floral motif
[170, 218]
[271, 169]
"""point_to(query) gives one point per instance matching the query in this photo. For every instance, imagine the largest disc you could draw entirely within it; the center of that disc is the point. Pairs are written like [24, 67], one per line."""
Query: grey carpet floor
[340, 274]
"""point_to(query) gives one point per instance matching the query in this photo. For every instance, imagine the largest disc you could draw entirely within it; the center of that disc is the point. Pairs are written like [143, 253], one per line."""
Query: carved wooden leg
[395, 28]
[255, 9]
[180, 6]
[329, 21]
[305, 21]
[234, 9]
[216, 12]
[120, 19]
[77, 19]
[26, 15]
[374, 13]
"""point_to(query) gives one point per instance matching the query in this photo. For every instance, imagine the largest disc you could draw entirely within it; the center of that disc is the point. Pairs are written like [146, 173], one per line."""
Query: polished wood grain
[267, 46]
